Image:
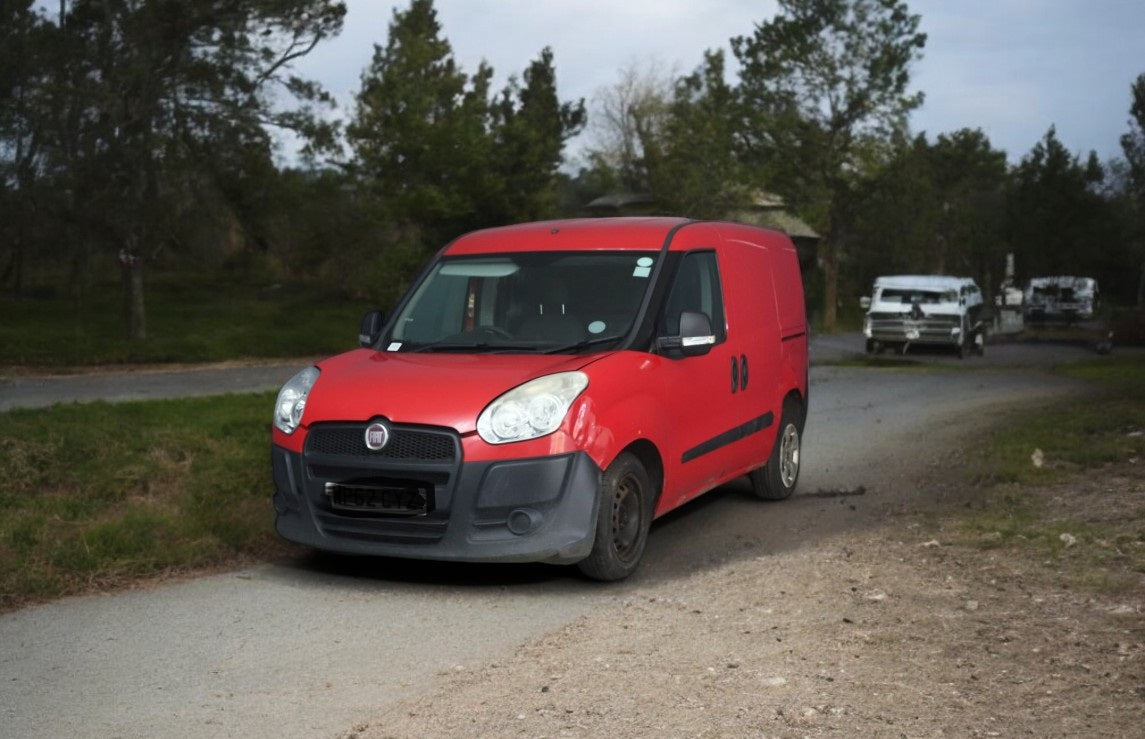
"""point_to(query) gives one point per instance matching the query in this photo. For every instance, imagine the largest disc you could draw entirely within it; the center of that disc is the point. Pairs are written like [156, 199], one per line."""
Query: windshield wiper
[451, 346]
[583, 344]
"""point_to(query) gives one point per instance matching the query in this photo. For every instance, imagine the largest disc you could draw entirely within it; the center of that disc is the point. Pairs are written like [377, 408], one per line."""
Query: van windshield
[909, 297]
[524, 302]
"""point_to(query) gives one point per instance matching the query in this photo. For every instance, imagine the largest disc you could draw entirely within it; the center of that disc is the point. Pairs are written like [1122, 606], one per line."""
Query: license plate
[396, 500]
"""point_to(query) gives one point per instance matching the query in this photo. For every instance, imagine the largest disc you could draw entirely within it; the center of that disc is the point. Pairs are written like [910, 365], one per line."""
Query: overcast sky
[1010, 67]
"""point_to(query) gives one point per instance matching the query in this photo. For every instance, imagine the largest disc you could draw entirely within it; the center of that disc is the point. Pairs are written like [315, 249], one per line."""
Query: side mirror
[865, 302]
[371, 328]
[696, 337]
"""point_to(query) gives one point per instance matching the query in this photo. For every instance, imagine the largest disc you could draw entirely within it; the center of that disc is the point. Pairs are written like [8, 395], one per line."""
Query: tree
[970, 179]
[25, 44]
[1059, 222]
[420, 121]
[897, 182]
[628, 118]
[932, 208]
[437, 153]
[150, 99]
[693, 167]
[818, 82]
[1133, 145]
[529, 127]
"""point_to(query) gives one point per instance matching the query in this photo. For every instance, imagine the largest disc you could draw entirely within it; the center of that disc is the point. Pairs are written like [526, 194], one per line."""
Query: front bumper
[906, 330]
[527, 510]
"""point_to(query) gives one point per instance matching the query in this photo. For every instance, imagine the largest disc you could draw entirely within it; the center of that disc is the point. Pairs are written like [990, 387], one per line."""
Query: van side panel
[788, 289]
[792, 311]
[752, 315]
[754, 332]
[787, 306]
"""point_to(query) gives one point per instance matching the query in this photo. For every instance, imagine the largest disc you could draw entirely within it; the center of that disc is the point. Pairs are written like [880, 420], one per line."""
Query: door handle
[739, 373]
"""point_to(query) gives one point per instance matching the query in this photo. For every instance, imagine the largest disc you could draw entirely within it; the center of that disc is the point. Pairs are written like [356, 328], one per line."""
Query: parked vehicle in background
[924, 310]
[543, 391]
[1060, 299]
[1066, 308]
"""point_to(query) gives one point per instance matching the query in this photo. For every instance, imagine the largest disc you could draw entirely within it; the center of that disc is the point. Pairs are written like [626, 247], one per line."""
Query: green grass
[880, 361]
[1079, 512]
[100, 493]
[1073, 435]
[188, 319]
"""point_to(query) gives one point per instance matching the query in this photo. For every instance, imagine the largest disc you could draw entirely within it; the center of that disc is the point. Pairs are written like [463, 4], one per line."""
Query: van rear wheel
[777, 479]
[623, 519]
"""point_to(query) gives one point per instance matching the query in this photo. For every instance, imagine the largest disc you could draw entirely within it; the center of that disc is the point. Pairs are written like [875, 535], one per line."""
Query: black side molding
[730, 436]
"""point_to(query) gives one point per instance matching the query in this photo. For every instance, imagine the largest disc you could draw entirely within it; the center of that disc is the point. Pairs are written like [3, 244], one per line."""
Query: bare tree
[628, 116]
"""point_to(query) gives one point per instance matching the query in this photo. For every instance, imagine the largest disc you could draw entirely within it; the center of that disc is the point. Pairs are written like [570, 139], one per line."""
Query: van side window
[696, 287]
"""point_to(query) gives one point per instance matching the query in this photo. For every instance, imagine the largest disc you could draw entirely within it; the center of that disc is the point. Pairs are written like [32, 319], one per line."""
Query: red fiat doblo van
[545, 390]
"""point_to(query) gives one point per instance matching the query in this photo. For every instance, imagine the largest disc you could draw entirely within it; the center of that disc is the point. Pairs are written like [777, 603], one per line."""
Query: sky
[1012, 68]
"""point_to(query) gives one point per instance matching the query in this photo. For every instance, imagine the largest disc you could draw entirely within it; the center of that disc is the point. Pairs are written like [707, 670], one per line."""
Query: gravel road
[314, 646]
[24, 389]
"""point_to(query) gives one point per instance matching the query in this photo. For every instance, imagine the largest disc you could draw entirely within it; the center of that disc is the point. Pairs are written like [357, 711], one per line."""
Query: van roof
[635, 232]
[1063, 280]
[922, 282]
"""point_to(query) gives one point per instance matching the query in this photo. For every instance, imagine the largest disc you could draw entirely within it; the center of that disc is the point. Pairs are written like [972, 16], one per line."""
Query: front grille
[933, 329]
[421, 445]
[937, 320]
[339, 464]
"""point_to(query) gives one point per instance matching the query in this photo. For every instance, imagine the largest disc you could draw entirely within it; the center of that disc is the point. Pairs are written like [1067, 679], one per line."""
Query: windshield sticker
[643, 267]
[596, 327]
[394, 346]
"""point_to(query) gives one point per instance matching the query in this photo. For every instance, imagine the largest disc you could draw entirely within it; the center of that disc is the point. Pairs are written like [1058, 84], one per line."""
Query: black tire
[622, 522]
[777, 479]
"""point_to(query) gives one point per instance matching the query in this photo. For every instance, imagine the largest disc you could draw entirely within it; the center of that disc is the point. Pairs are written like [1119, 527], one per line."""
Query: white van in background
[908, 310]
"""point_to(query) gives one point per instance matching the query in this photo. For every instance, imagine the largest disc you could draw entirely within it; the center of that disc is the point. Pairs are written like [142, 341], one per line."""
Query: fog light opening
[523, 520]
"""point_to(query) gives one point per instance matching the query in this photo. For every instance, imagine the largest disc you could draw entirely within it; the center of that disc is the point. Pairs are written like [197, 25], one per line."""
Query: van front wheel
[776, 480]
[622, 521]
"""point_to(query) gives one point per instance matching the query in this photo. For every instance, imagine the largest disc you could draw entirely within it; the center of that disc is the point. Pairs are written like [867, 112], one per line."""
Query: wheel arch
[796, 399]
[649, 456]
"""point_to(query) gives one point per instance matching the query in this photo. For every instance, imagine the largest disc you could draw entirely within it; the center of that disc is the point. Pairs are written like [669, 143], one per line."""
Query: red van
[545, 390]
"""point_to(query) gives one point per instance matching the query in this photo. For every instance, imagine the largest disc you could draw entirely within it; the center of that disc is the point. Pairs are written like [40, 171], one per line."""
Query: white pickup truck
[908, 310]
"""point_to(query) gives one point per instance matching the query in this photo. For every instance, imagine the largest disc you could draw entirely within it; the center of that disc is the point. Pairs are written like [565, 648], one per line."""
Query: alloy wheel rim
[789, 456]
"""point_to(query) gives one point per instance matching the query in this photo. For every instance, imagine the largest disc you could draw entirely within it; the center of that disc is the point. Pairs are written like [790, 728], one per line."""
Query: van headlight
[292, 400]
[531, 410]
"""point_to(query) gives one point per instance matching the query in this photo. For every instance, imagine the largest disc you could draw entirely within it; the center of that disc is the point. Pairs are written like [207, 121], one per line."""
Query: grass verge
[1065, 484]
[188, 318]
[97, 495]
